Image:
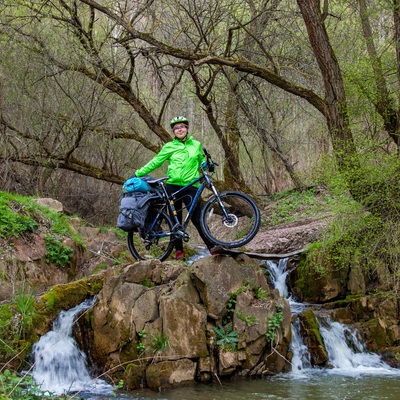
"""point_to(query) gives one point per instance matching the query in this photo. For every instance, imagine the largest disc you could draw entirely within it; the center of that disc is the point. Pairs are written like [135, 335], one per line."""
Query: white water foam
[347, 354]
[60, 366]
[301, 359]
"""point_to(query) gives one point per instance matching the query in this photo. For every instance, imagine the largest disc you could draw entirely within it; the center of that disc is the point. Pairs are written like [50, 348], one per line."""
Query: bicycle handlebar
[209, 163]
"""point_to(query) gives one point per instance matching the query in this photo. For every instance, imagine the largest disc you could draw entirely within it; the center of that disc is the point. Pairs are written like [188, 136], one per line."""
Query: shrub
[57, 252]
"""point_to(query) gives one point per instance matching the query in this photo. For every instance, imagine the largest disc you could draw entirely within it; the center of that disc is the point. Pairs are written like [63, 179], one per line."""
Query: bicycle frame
[221, 219]
[179, 229]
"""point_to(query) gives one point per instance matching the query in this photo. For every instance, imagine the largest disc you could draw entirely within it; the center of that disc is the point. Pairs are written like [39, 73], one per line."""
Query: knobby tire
[157, 247]
[243, 222]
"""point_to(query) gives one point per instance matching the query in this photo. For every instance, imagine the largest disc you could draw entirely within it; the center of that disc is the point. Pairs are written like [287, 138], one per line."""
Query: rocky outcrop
[161, 325]
[23, 264]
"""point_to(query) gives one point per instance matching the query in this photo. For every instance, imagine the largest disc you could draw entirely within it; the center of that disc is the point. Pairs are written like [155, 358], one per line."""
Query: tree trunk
[383, 104]
[335, 99]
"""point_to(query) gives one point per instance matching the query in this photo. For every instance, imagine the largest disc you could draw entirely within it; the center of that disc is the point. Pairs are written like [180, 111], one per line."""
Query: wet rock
[169, 374]
[310, 331]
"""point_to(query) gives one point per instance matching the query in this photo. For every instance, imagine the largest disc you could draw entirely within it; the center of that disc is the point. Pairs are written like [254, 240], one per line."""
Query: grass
[21, 215]
[293, 205]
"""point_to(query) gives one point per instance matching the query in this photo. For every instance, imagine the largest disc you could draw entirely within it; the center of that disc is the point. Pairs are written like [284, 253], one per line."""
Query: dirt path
[287, 238]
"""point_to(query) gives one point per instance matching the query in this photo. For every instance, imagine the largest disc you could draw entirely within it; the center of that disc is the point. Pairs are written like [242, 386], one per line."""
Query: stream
[354, 373]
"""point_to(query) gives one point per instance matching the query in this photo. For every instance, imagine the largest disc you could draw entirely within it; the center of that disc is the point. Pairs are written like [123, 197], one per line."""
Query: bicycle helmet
[177, 120]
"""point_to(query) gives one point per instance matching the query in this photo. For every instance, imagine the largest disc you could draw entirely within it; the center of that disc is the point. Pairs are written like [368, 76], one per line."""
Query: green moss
[377, 332]
[310, 321]
[64, 297]
[309, 280]
[349, 300]
[129, 352]
[134, 376]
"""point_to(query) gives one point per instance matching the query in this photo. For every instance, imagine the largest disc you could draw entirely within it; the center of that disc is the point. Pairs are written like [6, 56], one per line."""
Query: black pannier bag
[133, 211]
[134, 206]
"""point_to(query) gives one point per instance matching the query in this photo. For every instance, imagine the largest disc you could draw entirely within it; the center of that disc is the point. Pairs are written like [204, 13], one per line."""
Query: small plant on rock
[159, 343]
[249, 319]
[274, 323]
[57, 252]
[227, 338]
[140, 346]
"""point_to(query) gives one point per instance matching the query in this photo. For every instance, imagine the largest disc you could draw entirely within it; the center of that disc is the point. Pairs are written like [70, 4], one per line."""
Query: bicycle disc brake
[231, 221]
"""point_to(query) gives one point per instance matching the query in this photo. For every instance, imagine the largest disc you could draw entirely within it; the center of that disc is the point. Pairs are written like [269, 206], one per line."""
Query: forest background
[285, 94]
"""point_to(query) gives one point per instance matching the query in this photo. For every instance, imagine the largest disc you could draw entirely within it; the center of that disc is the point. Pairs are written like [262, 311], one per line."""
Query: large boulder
[155, 324]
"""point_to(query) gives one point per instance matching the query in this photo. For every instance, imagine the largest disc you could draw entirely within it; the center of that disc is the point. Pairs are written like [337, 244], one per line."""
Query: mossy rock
[311, 333]
[64, 297]
[134, 376]
[377, 334]
[350, 300]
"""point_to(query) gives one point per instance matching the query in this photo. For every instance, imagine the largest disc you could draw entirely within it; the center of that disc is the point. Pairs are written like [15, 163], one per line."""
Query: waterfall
[60, 366]
[301, 359]
[347, 355]
[278, 275]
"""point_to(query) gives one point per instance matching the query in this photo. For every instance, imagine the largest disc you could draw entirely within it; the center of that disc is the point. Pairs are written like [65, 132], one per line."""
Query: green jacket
[184, 160]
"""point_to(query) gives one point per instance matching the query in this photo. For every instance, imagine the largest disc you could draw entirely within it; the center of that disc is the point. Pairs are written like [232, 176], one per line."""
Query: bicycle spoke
[231, 222]
[153, 244]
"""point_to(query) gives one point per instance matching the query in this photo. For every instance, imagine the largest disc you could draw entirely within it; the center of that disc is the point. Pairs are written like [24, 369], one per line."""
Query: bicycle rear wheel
[154, 241]
[235, 229]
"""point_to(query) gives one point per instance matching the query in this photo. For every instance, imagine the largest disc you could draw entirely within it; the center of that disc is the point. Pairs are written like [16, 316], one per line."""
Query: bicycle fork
[229, 220]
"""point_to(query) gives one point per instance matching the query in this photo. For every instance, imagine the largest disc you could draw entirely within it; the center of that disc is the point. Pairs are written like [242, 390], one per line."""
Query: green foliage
[16, 325]
[159, 343]
[248, 284]
[274, 324]
[57, 252]
[147, 282]
[24, 304]
[13, 217]
[13, 386]
[21, 215]
[141, 346]
[261, 294]
[249, 319]
[364, 233]
[9, 331]
[227, 338]
[258, 291]
[295, 205]
[231, 304]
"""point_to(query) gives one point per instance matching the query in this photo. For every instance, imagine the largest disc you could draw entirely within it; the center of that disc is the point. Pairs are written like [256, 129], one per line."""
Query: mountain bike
[229, 219]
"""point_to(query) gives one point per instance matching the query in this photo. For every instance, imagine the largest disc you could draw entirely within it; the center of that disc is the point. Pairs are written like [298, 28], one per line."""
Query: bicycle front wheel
[230, 220]
[154, 241]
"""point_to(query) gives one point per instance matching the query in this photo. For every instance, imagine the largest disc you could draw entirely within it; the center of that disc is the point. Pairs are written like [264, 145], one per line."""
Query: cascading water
[60, 366]
[346, 353]
[301, 357]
